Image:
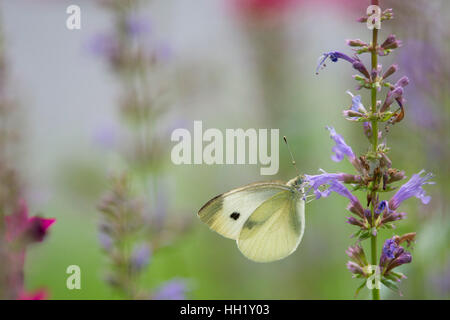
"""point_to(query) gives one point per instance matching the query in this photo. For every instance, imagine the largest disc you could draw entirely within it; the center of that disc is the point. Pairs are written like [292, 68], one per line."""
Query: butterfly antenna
[291, 154]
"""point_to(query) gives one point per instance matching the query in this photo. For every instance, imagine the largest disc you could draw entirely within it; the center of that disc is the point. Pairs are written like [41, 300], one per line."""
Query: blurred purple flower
[137, 26]
[140, 257]
[412, 188]
[103, 44]
[105, 241]
[172, 290]
[164, 52]
[105, 135]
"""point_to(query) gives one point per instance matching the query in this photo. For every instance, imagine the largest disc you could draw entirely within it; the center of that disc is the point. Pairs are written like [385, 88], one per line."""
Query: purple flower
[356, 253]
[402, 82]
[381, 207]
[341, 149]
[393, 255]
[356, 43]
[412, 188]
[317, 181]
[334, 185]
[390, 71]
[356, 269]
[356, 103]
[136, 26]
[140, 257]
[334, 56]
[391, 42]
[390, 247]
[105, 240]
[172, 290]
[104, 45]
[356, 109]
[105, 135]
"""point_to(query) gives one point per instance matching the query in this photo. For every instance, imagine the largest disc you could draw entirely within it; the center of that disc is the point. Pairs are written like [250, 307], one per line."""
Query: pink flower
[40, 294]
[21, 227]
[260, 8]
[264, 8]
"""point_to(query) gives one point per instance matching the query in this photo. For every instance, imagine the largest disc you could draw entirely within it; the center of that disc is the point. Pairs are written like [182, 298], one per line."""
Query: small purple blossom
[389, 248]
[140, 256]
[103, 44]
[341, 149]
[391, 42]
[356, 110]
[412, 188]
[136, 26]
[334, 185]
[105, 135]
[390, 71]
[381, 207]
[316, 181]
[334, 56]
[356, 103]
[105, 240]
[393, 255]
[172, 290]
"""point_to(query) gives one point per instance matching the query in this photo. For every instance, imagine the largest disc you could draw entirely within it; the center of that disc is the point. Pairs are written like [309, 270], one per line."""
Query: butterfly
[267, 219]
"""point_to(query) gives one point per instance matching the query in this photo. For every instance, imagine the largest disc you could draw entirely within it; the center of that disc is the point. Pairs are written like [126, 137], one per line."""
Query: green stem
[373, 238]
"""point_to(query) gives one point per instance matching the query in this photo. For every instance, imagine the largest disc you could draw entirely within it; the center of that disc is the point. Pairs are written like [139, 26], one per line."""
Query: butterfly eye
[235, 215]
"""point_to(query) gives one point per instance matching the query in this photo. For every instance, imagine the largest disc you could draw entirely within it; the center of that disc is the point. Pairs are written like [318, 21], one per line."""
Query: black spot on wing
[235, 215]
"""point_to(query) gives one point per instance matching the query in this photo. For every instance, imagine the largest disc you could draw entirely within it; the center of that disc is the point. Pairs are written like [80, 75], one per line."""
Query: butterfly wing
[274, 230]
[227, 213]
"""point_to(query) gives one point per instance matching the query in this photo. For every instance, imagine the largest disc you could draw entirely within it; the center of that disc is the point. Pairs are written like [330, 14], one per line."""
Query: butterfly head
[297, 182]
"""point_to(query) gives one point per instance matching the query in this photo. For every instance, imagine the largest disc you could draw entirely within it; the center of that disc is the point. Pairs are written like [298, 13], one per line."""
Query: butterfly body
[266, 219]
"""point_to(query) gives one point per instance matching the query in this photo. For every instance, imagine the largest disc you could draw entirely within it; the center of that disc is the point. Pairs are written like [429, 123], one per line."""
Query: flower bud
[391, 42]
[390, 71]
[356, 43]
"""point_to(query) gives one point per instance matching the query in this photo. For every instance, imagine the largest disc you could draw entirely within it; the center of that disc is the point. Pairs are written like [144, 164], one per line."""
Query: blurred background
[231, 64]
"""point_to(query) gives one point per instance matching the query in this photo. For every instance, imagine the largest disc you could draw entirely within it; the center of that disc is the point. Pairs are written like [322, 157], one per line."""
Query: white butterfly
[266, 219]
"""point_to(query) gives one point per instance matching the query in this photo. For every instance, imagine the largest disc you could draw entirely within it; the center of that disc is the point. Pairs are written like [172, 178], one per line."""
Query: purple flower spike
[412, 188]
[341, 149]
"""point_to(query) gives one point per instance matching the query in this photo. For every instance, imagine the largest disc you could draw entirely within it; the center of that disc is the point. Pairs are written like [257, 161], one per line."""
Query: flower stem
[373, 238]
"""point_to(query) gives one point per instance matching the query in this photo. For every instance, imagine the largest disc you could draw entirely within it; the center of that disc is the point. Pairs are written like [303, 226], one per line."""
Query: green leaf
[391, 285]
[360, 287]
[398, 275]
[388, 226]
[365, 235]
[386, 116]
[356, 234]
